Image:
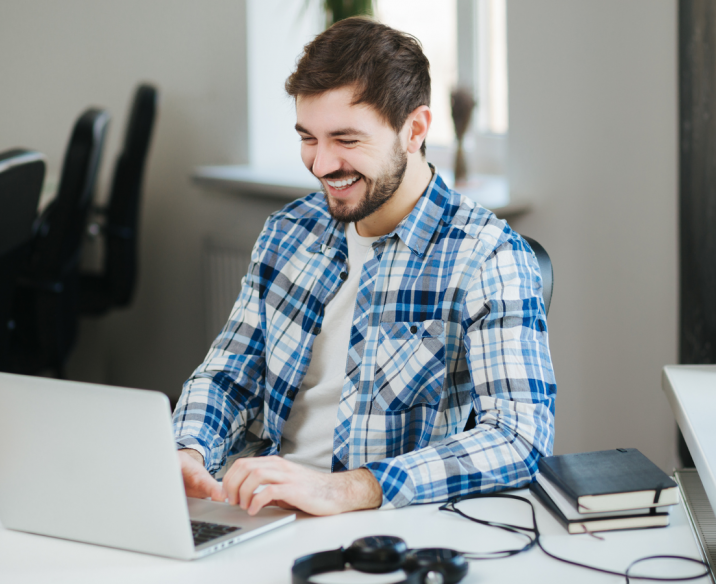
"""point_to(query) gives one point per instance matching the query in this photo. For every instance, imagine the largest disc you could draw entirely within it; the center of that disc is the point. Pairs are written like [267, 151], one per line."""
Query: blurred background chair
[545, 268]
[46, 301]
[113, 286]
[22, 173]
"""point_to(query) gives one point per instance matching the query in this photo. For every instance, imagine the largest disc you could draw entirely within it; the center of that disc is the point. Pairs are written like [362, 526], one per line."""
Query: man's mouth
[339, 185]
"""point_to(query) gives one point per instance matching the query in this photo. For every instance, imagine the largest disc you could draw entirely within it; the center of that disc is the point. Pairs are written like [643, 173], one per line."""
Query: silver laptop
[98, 464]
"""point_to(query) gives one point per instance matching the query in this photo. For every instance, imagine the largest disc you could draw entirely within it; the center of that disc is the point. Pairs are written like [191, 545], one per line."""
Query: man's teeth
[339, 184]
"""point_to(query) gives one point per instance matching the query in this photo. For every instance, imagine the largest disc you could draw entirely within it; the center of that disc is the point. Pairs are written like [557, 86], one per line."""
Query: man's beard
[377, 192]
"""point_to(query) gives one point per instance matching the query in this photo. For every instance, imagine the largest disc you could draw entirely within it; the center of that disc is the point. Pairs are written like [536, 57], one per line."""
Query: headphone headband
[381, 554]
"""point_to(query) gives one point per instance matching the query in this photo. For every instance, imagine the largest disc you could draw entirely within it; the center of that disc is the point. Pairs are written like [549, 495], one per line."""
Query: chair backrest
[57, 245]
[22, 173]
[46, 303]
[122, 219]
[545, 266]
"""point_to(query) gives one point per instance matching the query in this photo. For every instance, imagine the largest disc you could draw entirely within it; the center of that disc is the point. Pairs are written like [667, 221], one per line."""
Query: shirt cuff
[193, 444]
[398, 488]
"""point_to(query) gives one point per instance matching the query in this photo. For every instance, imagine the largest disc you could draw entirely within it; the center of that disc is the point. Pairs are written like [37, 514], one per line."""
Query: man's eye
[349, 142]
[306, 138]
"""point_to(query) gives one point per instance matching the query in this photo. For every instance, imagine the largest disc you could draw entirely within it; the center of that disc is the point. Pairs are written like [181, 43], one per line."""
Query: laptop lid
[91, 463]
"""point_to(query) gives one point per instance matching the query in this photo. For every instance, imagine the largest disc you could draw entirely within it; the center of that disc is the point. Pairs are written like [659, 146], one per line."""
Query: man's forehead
[345, 94]
[334, 110]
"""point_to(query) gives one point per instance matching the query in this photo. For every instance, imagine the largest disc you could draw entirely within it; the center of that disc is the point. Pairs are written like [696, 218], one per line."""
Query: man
[375, 316]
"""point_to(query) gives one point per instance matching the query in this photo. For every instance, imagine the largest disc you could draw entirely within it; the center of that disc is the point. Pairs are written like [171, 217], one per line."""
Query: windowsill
[490, 191]
[283, 184]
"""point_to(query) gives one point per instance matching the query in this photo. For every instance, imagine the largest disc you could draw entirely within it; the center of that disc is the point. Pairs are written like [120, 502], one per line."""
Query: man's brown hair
[387, 66]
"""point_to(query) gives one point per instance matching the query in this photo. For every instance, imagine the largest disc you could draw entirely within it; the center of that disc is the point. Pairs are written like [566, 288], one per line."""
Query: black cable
[535, 540]
[517, 529]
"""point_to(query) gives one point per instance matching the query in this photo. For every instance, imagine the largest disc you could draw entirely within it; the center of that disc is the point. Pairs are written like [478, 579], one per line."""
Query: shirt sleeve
[225, 393]
[507, 349]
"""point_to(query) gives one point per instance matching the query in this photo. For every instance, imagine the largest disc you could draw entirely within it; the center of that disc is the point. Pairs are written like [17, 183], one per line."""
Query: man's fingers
[271, 494]
[233, 480]
[240, 470]
[257, 477]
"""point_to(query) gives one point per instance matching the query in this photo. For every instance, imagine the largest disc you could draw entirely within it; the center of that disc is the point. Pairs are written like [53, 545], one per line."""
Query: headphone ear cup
[377, 554]
[438, 565]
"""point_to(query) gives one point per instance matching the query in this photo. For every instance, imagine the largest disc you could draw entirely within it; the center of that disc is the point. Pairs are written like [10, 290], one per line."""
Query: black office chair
[114, 286]
[45, 306]
[545, 268]
[22, 173]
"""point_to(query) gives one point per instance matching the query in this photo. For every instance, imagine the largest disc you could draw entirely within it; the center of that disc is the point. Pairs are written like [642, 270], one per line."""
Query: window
[434, 24]
[492, 66]
[466, 43]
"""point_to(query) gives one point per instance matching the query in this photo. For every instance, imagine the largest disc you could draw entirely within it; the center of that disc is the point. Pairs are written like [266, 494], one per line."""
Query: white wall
[593, 140]
[61, 57]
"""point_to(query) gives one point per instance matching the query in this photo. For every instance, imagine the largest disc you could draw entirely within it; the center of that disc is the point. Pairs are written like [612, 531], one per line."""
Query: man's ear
[418, 123]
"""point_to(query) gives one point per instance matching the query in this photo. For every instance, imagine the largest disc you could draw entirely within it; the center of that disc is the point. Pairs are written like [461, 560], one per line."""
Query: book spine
[546, 470]
[546, 500]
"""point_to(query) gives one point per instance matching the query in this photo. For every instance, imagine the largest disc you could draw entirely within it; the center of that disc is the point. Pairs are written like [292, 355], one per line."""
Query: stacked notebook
[605, 490]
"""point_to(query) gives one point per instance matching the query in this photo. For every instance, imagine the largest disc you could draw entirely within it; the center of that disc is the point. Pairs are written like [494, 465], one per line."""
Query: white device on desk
[98, 464]
[691, 391]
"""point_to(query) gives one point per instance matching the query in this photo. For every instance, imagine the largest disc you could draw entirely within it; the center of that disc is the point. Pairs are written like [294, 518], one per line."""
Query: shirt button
[317, 330]
[413, 329]
[343, 276]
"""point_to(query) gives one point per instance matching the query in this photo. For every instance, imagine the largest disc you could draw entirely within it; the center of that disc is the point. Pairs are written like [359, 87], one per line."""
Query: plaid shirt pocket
[410, 365]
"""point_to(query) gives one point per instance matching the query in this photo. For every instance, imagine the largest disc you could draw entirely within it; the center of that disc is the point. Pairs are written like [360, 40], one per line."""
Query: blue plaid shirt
[449, 318]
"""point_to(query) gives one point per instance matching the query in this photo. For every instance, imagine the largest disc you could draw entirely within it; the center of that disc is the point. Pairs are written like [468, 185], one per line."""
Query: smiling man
[375, 317]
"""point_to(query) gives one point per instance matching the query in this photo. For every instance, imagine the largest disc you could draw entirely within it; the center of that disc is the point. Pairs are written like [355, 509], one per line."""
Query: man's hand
[197, 480]
[292, 486]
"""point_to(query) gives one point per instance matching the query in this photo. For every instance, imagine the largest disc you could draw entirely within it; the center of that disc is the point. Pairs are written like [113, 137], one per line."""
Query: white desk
[34, 559]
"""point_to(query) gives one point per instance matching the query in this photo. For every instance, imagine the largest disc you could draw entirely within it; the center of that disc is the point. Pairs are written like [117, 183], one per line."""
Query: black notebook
[610, 480]
[575, 522]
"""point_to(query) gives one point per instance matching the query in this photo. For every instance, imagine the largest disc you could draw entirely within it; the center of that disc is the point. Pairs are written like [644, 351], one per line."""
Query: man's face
[356, 155]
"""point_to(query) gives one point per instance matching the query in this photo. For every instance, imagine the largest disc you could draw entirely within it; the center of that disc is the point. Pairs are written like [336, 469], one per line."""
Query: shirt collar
[333, 238]
[415, 230]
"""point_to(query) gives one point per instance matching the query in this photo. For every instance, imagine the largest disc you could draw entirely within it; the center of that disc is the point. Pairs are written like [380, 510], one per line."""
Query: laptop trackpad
[211, 511]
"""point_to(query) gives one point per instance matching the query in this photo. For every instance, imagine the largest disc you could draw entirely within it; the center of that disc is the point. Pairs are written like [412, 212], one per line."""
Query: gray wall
[592, 141]
[60, 57]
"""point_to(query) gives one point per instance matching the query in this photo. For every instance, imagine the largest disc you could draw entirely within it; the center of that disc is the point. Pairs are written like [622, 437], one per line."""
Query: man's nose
[326, 161]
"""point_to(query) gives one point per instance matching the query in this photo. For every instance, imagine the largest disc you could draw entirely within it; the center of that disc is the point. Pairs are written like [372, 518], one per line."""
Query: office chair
[545, 268]
[45, 305]
[22, 173]
[113, 287]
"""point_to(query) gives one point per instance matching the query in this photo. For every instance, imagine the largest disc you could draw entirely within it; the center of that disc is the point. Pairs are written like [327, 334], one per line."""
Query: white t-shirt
[308, 432]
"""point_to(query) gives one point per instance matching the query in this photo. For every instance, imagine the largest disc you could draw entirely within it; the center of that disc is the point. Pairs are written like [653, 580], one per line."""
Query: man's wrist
[365, 491]
[195, 454]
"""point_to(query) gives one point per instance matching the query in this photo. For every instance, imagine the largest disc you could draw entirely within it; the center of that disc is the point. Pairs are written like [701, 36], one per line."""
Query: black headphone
[379, 554]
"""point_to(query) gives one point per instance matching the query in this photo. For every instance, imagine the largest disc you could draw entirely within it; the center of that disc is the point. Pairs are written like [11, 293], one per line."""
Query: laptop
[98, 464]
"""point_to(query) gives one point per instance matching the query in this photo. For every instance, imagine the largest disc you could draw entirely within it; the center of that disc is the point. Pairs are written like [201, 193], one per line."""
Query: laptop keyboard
[204, 531]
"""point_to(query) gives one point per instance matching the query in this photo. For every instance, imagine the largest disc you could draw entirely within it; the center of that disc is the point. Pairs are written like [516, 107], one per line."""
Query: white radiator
[223, 268]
